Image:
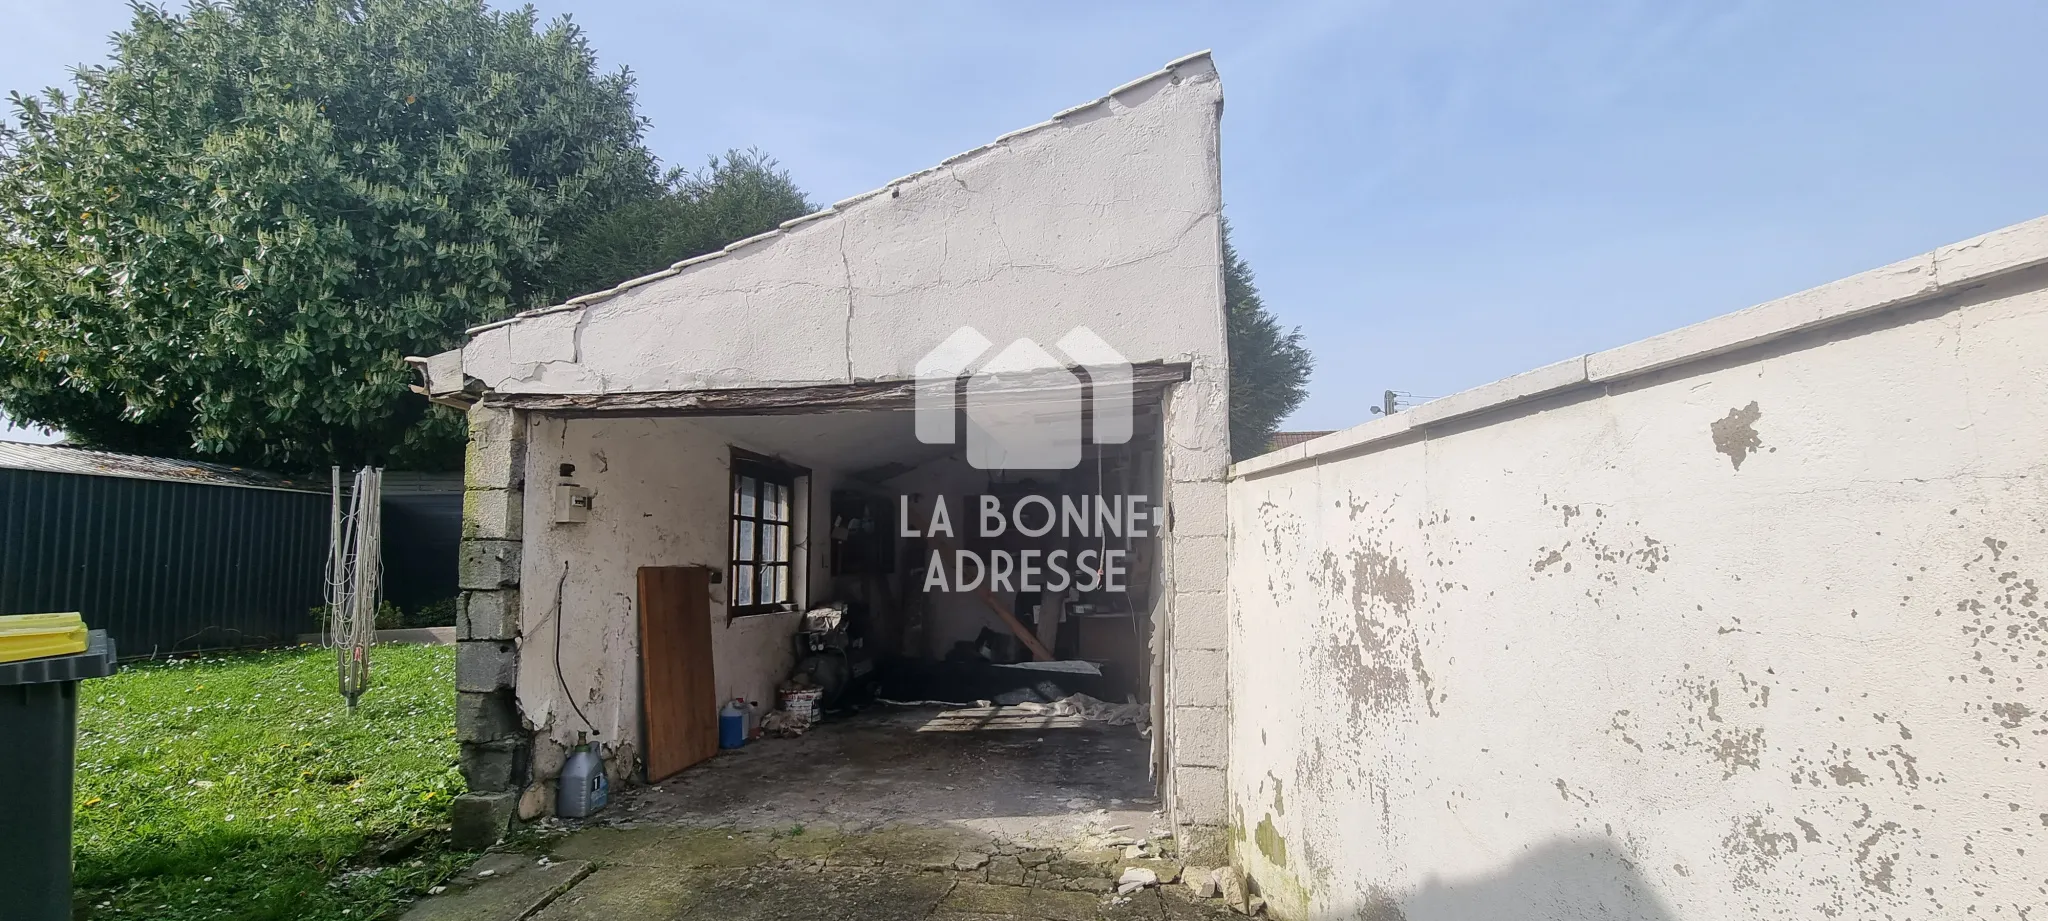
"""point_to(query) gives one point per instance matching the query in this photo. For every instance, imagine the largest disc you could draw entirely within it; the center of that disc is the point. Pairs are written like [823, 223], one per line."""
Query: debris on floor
[1230, 881]
[1073, 710]
[910, 679]
[1039, 693]
[1130, 713]
[784, 724]
[1070, 666]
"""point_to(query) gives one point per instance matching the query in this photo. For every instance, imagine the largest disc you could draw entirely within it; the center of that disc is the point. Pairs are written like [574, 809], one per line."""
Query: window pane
[778, 508]
[742, 585]
[779, 543]
[747, 487]
[743, 548]
[775, 589]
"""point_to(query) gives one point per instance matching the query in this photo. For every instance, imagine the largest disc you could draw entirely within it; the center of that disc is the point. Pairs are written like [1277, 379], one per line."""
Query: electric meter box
[572, 503]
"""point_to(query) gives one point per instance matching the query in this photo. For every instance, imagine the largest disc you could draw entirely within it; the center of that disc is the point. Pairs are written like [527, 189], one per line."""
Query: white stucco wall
[661, 498]
[1107, 216]
[1694, 636]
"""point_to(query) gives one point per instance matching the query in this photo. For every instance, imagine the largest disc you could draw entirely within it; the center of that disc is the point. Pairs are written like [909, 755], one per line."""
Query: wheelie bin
[38, 745]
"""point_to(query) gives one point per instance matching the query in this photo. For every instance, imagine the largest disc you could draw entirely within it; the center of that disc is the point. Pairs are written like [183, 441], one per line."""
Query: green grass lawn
[239, 786]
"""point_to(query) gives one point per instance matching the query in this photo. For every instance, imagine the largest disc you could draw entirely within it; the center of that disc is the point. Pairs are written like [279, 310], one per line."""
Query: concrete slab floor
[501, 886]
[1049, 784]
[868, 819]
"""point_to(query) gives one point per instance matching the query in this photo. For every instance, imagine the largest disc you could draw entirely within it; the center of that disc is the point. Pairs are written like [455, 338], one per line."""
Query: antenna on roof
[1394, 401]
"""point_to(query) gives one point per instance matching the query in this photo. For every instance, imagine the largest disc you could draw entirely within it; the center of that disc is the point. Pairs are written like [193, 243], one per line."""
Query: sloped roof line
[84, 462]
[838, 206]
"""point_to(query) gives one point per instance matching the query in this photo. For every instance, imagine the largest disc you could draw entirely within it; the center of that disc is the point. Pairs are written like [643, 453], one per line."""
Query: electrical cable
[559, 679]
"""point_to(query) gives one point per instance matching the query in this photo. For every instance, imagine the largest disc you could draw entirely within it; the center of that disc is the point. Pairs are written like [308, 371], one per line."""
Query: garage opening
[856, 571]
[1015, 598]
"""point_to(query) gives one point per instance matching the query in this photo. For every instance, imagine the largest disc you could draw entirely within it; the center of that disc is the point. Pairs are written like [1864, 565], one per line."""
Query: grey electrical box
[572, 503]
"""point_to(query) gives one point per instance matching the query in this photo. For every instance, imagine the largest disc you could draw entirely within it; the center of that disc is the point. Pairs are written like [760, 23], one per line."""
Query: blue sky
[1437, 194]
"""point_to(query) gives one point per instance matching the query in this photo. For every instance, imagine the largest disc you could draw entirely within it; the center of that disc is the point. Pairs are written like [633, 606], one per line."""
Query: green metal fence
[163, 566]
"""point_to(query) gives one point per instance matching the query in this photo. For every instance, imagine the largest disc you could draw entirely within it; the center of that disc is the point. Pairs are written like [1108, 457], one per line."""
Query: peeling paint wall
[1743, 633]
[661, 498]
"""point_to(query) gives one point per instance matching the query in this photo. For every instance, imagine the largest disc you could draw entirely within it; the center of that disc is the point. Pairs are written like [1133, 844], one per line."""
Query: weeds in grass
[241, 787]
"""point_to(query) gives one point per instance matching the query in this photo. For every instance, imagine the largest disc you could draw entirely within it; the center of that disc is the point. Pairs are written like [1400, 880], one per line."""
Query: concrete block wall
[497, 748]
[1196, 649]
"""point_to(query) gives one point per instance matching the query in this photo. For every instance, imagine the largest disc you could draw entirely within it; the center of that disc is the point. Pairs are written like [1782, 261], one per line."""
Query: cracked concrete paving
[865, 819]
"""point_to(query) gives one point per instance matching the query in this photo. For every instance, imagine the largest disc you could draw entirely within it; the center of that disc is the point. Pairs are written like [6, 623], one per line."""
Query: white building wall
[661, 498]
[1108, 216]
[1741, 621]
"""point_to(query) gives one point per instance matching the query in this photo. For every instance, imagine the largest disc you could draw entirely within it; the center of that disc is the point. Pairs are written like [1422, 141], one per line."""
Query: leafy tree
[1269, 366]
[221, 243]
[731, 198]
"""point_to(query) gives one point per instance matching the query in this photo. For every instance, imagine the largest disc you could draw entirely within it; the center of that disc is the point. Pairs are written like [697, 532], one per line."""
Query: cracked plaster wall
[661, 498]
[1758, 635]
[1107, 218]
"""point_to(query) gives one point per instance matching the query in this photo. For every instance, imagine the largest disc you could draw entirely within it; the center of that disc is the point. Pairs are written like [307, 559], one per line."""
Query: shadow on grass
[256, 875]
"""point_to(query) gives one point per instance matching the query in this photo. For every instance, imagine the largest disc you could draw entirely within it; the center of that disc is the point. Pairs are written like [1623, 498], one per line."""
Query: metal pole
[331, 626]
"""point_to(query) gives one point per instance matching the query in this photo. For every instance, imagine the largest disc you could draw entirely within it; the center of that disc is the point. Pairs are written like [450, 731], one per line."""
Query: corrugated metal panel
[61, 459]
[162, 566]
[422, 537]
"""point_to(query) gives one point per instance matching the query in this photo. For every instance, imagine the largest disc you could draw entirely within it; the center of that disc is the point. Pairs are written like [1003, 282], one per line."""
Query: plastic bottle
[732, 724]
[583, 787]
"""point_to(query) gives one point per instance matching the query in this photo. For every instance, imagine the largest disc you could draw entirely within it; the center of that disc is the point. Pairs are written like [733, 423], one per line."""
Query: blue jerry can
[732, 724]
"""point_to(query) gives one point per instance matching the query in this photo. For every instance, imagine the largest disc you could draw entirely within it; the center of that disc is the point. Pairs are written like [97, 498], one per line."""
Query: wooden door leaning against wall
[678, 698]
